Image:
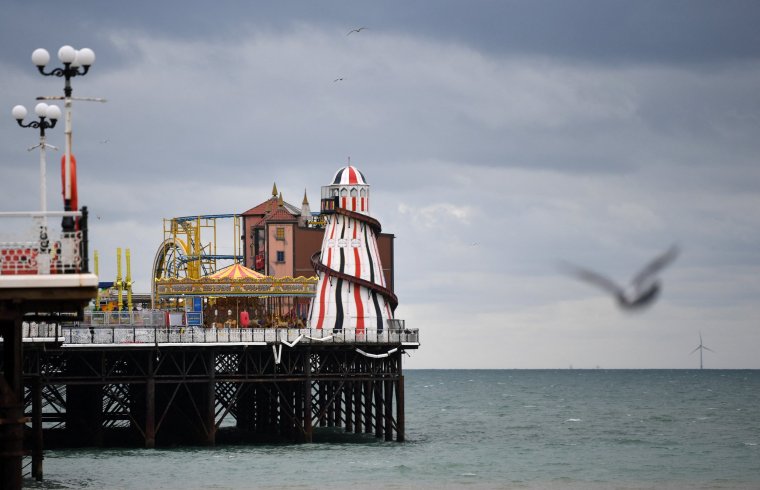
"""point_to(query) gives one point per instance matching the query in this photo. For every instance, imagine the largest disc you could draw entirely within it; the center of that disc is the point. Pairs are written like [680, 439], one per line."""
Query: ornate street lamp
[75, 63]
[48, 116]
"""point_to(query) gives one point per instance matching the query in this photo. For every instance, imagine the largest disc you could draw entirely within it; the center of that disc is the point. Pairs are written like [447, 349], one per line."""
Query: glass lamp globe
[40, 57]
[41, 109]
[67, 54]
[53, 112]
[19, 112]
[85, 57]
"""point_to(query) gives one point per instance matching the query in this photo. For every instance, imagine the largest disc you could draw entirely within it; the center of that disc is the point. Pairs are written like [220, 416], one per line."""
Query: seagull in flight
[359, 29]
[338, 80]
[644, 288]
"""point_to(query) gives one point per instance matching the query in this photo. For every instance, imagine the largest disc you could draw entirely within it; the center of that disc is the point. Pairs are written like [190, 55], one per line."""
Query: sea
[486, 429]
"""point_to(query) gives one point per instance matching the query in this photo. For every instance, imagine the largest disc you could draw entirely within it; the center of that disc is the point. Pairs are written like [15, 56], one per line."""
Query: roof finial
[280, 202]
[349, 160]
[274, 190]
[305, 200]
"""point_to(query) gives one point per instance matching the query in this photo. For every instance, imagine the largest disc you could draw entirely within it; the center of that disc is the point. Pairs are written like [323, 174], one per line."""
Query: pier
[290, 337]
[155, 386]
[232, 356]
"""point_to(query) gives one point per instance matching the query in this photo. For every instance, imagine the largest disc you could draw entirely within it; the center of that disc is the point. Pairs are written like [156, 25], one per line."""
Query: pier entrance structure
[44, 279]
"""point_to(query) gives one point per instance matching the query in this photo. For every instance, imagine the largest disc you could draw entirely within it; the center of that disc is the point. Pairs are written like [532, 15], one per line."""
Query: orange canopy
[236, 271]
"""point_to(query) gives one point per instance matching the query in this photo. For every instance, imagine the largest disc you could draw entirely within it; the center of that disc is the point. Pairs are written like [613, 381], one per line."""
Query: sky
[500, 139]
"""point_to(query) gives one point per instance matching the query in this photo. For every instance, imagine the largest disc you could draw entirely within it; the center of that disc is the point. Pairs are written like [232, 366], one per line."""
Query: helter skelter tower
[351, 292]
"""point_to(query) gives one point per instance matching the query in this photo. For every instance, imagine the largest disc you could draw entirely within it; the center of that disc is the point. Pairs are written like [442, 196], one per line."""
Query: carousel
[188, 284]
[237, 296]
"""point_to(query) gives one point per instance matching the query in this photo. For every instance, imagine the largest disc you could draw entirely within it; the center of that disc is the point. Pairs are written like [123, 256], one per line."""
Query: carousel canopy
[236, 271]
[236, 280]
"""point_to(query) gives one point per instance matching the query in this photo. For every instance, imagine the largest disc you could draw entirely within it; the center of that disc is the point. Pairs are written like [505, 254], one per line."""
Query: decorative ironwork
[35, 248]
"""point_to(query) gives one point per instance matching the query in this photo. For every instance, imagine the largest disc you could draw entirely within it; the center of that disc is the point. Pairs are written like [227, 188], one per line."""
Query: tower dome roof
[349, 175]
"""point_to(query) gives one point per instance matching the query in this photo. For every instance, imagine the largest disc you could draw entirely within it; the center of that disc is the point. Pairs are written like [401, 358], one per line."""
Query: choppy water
[488, 429]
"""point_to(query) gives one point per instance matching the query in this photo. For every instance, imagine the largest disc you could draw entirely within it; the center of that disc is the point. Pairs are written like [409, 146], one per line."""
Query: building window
[280, 256]
[280, 233]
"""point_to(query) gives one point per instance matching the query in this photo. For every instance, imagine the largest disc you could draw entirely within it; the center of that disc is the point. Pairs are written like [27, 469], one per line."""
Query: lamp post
[75, 63]
[48, 116]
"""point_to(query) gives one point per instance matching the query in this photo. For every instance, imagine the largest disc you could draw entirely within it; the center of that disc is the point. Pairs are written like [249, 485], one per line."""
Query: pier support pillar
[368, 407]
[388, 386]
[211, 401]
[348, 389]
[400, 428]
[358, 407]
[150, 412]
[307, 390]
[322, 402]
[331, 399]
[11, 405]
[37, 444]
[379, 406]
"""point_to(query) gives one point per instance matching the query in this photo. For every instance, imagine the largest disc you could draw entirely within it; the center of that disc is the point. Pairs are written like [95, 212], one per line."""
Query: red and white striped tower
[351, 292]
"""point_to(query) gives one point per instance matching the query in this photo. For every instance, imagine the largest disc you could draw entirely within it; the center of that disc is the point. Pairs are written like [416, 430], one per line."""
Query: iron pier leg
[211, 401]
[37, 455]
[368, 407]
[358, 407]
[150, 412]
[349, 391]
[11, 405]
[400, 428]
[379, 405]
[322, 402]
[388, 410]
[306, 419]
[331, 395]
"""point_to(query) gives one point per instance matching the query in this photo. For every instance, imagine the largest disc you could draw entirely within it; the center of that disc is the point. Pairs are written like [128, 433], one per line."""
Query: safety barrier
[200, 335]
[31, 245]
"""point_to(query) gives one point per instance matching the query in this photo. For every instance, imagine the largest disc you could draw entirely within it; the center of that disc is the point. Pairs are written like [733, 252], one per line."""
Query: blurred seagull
[338, 80]
[644, 288]
[360, 29]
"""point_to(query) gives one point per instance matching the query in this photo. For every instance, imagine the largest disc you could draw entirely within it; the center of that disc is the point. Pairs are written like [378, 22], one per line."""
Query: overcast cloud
[500, 138]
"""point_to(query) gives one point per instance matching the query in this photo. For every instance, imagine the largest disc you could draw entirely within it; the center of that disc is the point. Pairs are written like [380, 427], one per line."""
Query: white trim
[48, 281]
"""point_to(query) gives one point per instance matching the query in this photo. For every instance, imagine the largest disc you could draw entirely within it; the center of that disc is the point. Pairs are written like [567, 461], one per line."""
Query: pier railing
[134, 335]
[31, 243]
[152, 318]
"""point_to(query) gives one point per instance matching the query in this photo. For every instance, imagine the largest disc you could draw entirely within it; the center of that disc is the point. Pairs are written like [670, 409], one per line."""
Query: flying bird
[644, 288]
[338, 80]
[359, 29]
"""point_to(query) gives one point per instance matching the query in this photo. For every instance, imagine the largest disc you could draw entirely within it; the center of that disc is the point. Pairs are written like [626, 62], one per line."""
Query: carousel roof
[236, 271]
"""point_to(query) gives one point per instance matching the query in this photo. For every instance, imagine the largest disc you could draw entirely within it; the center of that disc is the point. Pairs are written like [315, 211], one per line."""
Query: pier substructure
[45, 300]
[152, 396]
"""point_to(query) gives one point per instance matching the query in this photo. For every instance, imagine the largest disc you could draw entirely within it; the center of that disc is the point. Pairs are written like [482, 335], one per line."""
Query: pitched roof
[270, 205]
[280, 214]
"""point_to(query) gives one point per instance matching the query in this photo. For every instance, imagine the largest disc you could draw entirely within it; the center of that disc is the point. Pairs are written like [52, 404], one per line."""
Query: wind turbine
[701, 347]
